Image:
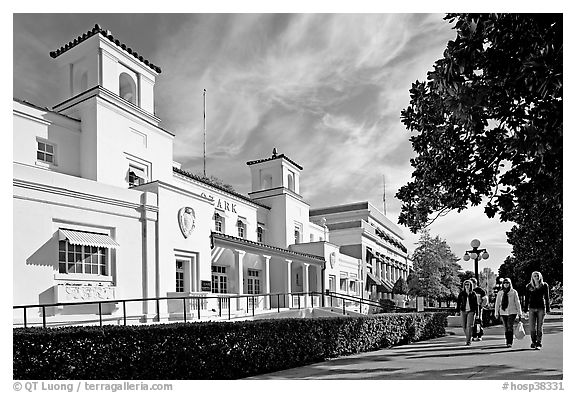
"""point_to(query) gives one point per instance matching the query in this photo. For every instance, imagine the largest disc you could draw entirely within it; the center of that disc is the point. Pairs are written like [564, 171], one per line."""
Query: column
[239, 263]
[288, 282]
[150, 287]
[305, 282]
[319, 279]
[266, 268]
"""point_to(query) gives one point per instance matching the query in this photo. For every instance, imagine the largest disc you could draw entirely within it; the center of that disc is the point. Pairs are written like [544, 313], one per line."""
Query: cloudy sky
[324, 89]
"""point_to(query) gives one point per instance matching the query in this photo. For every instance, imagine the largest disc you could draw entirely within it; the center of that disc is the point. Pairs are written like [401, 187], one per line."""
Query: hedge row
[208, 350]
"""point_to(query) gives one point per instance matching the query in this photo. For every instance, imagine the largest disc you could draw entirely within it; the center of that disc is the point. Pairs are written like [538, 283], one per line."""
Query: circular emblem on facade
[187, 220]
[332, 260]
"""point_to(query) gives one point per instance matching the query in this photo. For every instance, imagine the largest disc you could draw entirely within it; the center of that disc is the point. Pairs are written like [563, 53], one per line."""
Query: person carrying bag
[508, 307]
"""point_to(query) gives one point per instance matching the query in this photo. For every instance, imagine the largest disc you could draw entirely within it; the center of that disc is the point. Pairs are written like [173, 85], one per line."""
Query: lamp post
[476, 253]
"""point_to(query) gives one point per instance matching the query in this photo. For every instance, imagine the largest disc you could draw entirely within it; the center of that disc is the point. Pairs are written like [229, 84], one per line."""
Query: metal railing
[341, 299]
[192, 307]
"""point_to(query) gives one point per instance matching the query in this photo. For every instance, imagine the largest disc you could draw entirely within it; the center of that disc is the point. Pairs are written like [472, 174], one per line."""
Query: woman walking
[467, 307]
[508, 307]
[537, 304]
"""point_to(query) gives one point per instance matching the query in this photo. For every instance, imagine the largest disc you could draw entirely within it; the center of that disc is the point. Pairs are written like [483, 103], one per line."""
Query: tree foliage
[215, 181]
[435, 269]
[400, 287]
[463, 276]
[488, 129]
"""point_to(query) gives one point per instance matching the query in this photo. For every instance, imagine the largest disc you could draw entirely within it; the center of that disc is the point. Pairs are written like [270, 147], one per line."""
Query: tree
[400, 287]
[215, 181]
[435, 269]
[488, 124]
[463, 276]
[449, 275]
[413, 286]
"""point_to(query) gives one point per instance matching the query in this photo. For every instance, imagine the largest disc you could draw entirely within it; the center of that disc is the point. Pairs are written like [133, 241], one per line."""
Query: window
[45, 152]
[343, 284]
[332, 283]
[291, 181]
[127, 88]
[218, 223]
[136, 175]
[353, 286]
[253, 282]
[297, 233]
[219, 279]
[260, 234]
[74, 258]
[179, 276]
[241, 229]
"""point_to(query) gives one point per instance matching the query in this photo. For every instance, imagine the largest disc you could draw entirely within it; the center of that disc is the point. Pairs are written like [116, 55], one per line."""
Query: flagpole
[384, 194]
[204, 132]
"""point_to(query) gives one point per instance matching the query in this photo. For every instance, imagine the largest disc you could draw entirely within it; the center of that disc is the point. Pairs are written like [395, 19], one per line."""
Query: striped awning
[372, 277]
[385, 287]
[88, 238]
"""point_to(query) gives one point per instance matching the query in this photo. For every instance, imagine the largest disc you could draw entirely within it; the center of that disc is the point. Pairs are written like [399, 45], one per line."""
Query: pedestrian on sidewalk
[467, 308]
[477, 333]
[537, 304]
[508, 307]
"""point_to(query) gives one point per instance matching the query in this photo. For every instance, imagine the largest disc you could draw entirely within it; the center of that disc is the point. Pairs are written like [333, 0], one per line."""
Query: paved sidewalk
[447, 358]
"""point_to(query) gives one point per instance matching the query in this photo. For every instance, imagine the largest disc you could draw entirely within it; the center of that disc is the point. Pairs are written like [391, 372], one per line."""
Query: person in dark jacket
[537, 304]
[467, 307]
[482, 302]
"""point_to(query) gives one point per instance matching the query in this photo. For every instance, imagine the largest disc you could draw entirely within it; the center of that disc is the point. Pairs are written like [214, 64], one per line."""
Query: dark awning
[385, 287]
[372, 278]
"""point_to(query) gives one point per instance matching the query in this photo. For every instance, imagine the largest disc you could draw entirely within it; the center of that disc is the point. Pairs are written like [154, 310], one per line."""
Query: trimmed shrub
[209, 350]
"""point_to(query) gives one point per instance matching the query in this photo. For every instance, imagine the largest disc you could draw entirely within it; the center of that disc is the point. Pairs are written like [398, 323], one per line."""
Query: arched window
[291, 182]
[128, 88]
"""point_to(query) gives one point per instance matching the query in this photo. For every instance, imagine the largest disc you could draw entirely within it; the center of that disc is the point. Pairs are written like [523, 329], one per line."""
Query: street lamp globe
[475, 243]
[473, 255]
[485, 255]
[466, 257]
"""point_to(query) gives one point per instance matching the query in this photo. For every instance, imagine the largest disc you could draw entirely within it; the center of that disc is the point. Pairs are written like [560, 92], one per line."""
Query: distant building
[363, 232]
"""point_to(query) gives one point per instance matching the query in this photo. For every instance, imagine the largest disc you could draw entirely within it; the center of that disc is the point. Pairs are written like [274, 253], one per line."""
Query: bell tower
[277, 171]
[276, 183]
[109, 87]
[97, 59]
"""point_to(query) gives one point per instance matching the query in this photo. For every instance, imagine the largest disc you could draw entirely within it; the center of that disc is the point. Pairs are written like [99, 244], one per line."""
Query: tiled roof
[265, 246]
[199, 179]
[99, 30]
[274, 157]
[24, 102]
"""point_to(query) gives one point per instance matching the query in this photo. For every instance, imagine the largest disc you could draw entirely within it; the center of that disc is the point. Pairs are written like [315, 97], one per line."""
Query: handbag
[519, 332]
[478, 330]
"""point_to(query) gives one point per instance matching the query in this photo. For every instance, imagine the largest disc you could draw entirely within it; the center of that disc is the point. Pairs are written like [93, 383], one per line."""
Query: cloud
[324, 89]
